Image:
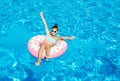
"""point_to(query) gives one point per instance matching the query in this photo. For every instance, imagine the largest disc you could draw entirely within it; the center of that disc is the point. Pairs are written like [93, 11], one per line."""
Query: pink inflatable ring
[35, 42]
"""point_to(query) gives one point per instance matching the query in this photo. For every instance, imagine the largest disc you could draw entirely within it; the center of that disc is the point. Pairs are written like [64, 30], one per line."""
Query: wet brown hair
[55, 26]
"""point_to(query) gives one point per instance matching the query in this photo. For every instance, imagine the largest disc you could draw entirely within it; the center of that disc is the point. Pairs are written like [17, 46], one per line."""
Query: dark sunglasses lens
[53, 31]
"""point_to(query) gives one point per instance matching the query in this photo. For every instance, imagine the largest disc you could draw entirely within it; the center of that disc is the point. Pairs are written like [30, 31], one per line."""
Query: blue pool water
[94, 55]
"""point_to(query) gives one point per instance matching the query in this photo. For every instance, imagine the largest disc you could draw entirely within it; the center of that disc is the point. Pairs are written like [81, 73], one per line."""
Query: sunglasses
[54, 31]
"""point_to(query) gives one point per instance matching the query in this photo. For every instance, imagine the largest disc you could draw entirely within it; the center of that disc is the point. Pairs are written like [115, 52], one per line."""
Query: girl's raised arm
[45, 24]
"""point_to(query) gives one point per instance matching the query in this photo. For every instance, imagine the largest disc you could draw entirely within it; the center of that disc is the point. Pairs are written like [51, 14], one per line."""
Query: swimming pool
[94, 55]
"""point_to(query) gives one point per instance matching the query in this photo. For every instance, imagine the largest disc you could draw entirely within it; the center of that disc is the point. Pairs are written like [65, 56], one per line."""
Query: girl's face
[54, 31]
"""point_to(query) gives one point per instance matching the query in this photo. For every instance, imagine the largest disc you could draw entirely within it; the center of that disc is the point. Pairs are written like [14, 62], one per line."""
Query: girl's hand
[72, 37]
[41, 13]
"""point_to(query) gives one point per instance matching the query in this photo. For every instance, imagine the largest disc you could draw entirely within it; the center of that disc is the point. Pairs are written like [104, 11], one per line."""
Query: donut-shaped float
[36, 41]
